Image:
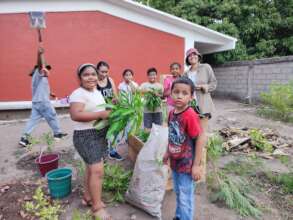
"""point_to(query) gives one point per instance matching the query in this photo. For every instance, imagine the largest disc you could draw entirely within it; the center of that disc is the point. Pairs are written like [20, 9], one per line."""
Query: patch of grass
[278, 102]
[42, 208]
[77, 215]
[285, 159]
[116, 181]
[243, 167]
[215, 147]
[235, 195]
[285, 180]
[259, 141]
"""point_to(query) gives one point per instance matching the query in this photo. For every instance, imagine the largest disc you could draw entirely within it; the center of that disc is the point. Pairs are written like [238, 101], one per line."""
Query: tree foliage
[264, 28]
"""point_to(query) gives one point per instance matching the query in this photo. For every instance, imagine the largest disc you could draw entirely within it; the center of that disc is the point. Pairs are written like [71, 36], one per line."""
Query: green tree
[264, 28]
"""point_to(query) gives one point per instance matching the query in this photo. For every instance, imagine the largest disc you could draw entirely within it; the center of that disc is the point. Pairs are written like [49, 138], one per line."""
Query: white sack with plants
[147, 187]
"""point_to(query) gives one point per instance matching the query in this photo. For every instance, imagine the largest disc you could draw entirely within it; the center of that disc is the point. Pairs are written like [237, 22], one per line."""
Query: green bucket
[59, 182]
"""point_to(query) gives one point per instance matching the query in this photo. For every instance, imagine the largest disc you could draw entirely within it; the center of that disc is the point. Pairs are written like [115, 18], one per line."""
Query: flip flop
[101, 214]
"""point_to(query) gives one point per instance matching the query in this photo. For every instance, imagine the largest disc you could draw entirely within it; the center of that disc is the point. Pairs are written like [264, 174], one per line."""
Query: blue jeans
[42, 110]
[184, 187]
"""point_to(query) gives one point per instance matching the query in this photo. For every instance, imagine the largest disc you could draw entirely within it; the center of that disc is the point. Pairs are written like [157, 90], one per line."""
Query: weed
[116, 181]
[285, 159]
[278, 102]
[48, 139]
[77, 215]
[259, 141]
[42, 208]
[243, 167]
[215, 147]
[285, 180]
[233, 193]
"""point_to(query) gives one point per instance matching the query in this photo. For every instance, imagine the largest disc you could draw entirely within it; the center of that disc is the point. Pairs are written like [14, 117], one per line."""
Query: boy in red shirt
[184, 154]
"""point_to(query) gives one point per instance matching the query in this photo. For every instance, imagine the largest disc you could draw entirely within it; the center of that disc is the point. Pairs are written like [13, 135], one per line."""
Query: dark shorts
[91, 144]
[149, 118]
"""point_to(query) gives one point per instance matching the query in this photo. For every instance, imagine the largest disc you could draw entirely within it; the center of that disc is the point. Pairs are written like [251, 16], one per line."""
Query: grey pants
[42, 110]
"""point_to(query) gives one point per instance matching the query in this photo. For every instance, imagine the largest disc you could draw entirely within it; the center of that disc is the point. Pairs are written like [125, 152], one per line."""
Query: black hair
[186, 81]
[187, 62]
[102, 63]
[152, 69]
[82, 67]
[127, 70]
[174, 64]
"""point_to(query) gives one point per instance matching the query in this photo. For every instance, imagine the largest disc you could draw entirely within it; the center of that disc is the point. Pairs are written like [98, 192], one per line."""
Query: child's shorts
[152, 117]
[91, 144]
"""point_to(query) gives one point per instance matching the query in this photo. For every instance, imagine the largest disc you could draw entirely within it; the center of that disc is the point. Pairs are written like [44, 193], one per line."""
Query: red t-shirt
[184, 127]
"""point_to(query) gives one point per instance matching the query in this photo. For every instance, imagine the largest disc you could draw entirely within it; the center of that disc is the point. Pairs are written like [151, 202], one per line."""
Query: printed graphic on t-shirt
[107, 93]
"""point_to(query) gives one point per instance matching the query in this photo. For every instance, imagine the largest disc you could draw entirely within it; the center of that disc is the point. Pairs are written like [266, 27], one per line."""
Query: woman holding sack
[202, 75]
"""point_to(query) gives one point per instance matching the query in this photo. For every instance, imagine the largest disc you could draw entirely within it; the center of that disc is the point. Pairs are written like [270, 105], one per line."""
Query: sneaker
[59, 136]
[24, 142]
[115, 156]
[176, 218]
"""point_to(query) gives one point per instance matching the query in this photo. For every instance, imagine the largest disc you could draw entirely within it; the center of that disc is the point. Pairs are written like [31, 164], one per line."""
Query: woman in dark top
[107, 87]
[106, 84]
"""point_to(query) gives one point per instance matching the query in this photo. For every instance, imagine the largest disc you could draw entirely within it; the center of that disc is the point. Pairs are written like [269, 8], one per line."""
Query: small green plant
[33, 141]
[77, 215]
[116, 181]
[152, 100]
[285, 159]
[278, 102]
[143, 135]
[42, 208]
[284, 179]
[48, 139]
[235, 196]
[233, 193]
[259, 141]
[243, 167]
[215, 147]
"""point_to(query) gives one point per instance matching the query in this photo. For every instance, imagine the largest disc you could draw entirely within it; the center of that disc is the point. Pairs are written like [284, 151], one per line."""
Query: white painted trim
[22, 105]
[134, 12]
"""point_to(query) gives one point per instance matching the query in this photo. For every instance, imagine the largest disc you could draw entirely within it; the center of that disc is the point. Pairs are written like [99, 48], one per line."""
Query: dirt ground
[20, 176]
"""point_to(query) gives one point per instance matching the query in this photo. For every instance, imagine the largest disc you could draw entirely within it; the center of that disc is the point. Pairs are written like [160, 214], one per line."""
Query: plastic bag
[147, 186]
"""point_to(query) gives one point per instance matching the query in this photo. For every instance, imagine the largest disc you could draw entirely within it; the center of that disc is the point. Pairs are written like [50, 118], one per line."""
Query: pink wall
[73, 38]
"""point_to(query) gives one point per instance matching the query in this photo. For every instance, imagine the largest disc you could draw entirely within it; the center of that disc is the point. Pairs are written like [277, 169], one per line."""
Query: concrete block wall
[245, 80]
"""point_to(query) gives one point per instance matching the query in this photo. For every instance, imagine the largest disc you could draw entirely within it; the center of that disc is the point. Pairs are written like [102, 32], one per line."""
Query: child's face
[175, 70]
[152, 76]
[103, 72]
[181, 95]
[89, 78]
[128, 76]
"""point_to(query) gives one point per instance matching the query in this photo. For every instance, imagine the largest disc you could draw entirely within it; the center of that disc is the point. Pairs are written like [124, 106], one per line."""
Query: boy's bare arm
[196, 167]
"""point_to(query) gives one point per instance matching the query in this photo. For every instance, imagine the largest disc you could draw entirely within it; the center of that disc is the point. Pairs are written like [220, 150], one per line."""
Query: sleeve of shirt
[193, 124]
[166, 83]
[76, 96]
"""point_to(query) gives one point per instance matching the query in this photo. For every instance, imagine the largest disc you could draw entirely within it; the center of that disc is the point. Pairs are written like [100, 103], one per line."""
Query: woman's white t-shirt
[91, 100]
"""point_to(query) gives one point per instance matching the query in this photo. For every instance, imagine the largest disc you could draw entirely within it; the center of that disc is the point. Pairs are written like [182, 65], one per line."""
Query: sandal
[101, 214]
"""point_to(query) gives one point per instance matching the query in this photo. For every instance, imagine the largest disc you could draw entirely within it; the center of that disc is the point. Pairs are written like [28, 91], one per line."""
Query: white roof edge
[169, 17]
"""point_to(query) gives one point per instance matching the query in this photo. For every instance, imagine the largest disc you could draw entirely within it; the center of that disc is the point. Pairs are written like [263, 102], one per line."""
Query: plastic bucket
[59, 182]
[47, 162]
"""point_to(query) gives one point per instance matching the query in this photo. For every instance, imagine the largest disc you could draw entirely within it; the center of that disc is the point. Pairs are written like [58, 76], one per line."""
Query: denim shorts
[152, 117]
[91, 144]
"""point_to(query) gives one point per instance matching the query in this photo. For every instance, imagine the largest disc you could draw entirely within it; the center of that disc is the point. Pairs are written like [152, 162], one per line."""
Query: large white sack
[147, 186]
